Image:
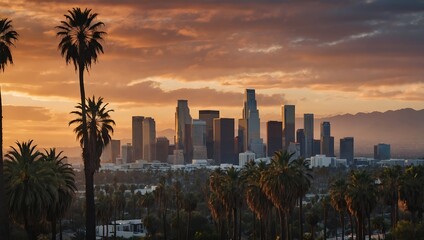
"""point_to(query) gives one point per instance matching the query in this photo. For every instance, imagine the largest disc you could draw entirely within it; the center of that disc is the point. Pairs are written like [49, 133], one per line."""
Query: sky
[327, 57]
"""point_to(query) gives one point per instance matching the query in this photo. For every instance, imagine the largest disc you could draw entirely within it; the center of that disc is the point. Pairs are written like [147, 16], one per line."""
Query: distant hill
[403, 129]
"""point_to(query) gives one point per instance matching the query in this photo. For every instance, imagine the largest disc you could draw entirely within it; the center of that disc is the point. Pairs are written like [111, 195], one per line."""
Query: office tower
[347, 149]
[116, 149]
[223, 136]
[308, 126]
[242, 136]
[251, 114]
[208, 116]
[182, 135]
[149, 139]
[162, 149]
[198, 136]
[327, 141]
[127, 153]
[137, 137]
[289, 130]
[382, 151]
[300, 138]
[316, 148]
[274, 132]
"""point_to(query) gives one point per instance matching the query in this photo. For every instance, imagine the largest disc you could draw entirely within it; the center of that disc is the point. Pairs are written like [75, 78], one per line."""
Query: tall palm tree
[390, 180]
[280, 183]
[412, 190]
[7, 37]
[337, 200]
[176, 187]
[161, 197]
[189, 205]
[304, 177]
[256, 199]
[80, 44]
[65, 177]
[361, 198]
[31, 185]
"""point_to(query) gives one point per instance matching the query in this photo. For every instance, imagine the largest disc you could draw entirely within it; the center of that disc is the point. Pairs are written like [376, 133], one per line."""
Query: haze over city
[326, 57]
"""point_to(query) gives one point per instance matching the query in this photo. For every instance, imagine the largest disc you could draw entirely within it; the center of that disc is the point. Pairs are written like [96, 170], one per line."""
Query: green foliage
[406, 230]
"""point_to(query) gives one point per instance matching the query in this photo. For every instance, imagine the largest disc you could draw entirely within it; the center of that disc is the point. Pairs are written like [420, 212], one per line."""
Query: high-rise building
[149, 139]
[223, 136]
[347, 149]
[274, 132]
[208, 116]
[137, 137]
[309, 134]
[242, 136]
[116, 149]
[127, 153]
[162, 149]
[198, 136]
[182, 133]
[300, 139]
[382, 151]
[327, 141]
[289, 128]
[316, 149]
[251, 114]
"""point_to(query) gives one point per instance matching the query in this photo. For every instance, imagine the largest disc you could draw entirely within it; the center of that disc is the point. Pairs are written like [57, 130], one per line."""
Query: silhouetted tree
[80, 44]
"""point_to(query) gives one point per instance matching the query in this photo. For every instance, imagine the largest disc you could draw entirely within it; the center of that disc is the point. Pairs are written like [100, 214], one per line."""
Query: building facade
[289, 127]
[347, 149]
[308, 126]
[208, 116]
[224, 140]
[137, 137]
[149, 139]
[274, 133]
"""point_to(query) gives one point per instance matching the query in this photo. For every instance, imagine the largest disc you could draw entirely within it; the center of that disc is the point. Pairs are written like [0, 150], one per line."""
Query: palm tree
[280, 183]
[176, 187]
[304, 177]
[7, 37]
[189, 205]
[361, 198]
[99, 129]
[256, 199]
[337, 200]
[390, 179]
[411, 190]
[161, 197]
[80, 44]
[31, 185]
[66, 188]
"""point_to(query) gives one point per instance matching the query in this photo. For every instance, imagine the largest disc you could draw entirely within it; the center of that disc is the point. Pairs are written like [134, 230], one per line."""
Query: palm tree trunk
[188, 225]
[343, 224]
[53, 225]
[89, 168]
[60, 229]
[254, 225]
[235, 223]
[351, 226]
[300, 218]
[369, 226]
[4, 214]
[282, 224]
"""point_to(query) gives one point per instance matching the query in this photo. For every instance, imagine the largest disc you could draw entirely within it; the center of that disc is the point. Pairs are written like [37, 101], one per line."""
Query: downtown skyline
[326, 58]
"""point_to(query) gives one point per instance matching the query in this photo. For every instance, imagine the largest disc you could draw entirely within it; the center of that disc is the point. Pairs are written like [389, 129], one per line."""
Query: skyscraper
[208, 116]
[137, 137]
[327, 141]
[198, 136]
[347, 149]
[223, 136]
[127, 153]
[251, 114]
[182, 119]
[274, 132]
[149, 139]
[382, 151]
[289, 129]
[116, 149]
[309, 134]
[162, 149]
[300, 138]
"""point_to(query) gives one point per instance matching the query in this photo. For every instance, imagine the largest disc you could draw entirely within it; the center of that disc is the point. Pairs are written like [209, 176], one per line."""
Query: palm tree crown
[7, 37]
[80, 43]
[99, 127]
